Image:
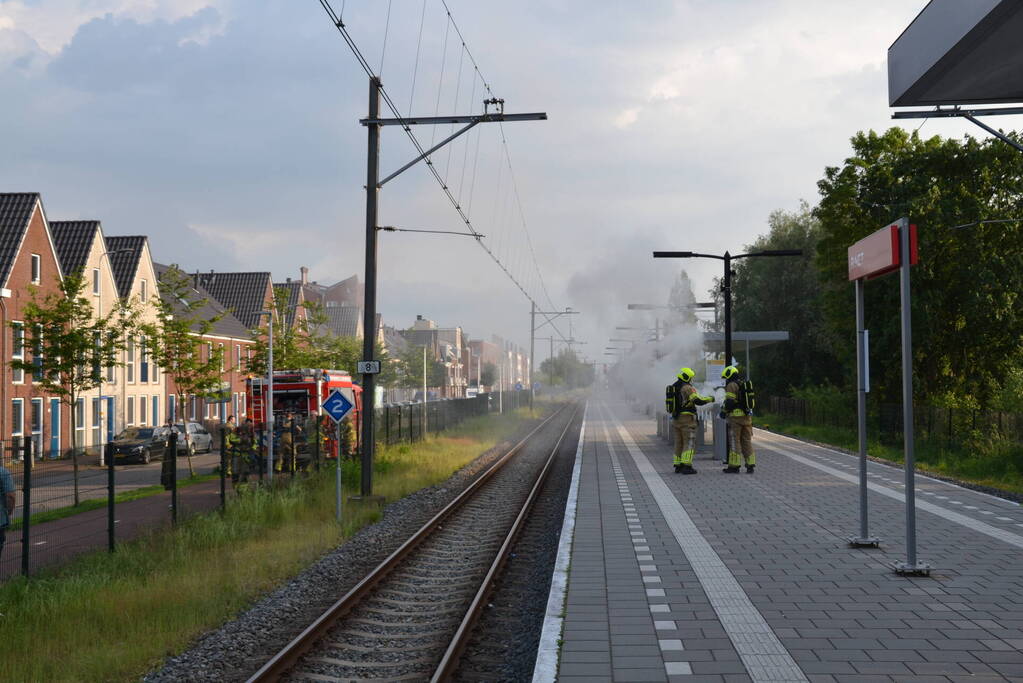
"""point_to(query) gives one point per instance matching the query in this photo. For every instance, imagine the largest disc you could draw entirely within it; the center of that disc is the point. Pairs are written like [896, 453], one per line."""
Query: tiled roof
[227, 326]
[241, 293]
[294, 290]
[343, 321]
[125, 253]
[15, 212]
[73, 241]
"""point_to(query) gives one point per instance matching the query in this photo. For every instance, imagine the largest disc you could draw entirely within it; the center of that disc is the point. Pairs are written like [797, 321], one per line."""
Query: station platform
[739, 577]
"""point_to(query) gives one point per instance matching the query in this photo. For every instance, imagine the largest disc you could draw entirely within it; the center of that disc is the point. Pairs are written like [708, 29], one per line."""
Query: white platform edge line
[785, 667]
[546, 668]
[994, 532]
[900, 470]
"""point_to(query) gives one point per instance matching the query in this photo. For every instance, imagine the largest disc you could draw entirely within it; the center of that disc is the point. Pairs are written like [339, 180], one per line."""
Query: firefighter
[231, 448]
[682, 401]
[737, 411]
[245, 461]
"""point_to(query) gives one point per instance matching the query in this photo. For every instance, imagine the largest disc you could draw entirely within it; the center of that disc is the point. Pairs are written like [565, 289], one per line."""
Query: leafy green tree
[488, 375]
[410, 371]
[294, 335]
[183, 317]
[567, 370]
[784, 294]
[967, 318]
[71, 345]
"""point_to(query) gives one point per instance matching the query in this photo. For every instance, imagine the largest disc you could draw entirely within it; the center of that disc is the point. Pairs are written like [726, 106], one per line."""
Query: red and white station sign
[878, 253]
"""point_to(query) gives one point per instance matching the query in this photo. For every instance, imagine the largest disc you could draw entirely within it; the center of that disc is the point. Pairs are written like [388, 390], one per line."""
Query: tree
[967, 318]
[293, 335]
[71, 344]
[784, 294]
[567, 370]
[343, 353]
[183, 317]
[488, 375]
[410, 372]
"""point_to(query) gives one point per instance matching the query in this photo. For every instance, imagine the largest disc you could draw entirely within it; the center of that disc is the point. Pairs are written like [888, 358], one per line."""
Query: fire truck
[301, 393]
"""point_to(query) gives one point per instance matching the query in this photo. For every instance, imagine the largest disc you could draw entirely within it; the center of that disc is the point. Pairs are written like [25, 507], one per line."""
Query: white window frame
[37, 269]
[17, 374]
[129, 361]
[143, 409]
[237, 357]
[221, 349]
[96, 423]
[143, 291]
[95, 283]
[39, 341]
[242, 407]
[32, 427]
[155, 417]
[18, 426]
[129, 410]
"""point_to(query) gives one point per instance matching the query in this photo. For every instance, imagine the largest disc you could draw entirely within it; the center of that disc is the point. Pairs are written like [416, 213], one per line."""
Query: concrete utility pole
[373, 123]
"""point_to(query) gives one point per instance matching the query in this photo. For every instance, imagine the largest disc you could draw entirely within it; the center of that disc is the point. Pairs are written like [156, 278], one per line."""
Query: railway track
[410, 618]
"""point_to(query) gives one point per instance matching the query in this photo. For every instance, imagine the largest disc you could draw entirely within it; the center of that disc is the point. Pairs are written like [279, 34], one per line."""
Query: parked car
[192, 438]
[139, 443]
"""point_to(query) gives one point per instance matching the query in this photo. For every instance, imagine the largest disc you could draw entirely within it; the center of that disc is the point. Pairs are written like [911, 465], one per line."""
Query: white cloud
[627, 117]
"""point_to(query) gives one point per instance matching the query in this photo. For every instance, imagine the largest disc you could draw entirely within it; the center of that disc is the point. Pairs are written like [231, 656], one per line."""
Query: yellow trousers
[684, 427]
[740, 440]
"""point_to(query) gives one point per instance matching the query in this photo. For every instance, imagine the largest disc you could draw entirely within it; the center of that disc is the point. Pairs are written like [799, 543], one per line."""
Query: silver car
[192, 438]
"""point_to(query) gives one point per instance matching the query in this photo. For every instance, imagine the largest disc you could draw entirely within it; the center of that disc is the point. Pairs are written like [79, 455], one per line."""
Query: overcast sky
[228, 132]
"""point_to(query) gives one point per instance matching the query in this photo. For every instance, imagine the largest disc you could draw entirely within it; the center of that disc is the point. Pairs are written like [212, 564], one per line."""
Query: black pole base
[907, 569]
[864, 541]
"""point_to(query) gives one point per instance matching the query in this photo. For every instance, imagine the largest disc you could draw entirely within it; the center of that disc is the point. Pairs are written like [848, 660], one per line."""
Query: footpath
[718, 577]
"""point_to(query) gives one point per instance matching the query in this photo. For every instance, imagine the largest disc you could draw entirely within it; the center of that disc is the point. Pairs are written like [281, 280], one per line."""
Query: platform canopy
[959, 52]
[715, 341]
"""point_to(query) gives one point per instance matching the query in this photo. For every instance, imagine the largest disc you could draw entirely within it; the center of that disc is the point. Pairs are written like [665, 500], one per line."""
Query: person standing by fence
[7, 507]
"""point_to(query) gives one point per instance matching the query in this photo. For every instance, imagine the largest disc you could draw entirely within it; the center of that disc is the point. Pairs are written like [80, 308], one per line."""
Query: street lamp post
[268, 395]
[726, 288]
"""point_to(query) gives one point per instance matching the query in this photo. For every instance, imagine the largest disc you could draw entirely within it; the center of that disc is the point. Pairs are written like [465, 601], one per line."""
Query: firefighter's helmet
[686, 374]
[729, 372]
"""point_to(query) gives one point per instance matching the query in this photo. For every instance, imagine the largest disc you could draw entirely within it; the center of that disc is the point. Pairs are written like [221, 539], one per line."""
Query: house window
[37, 265]
[96, 353]
[209, 351]
[18, 350]
[80, 415]
[156, 410]
[37, 354]
[237, 357]
[221, 350]
[143, 361]
[241, 410]
[143, 403]
[143, 291]
[36, 421]
[17, 419]
[154, 369]
[95, 281]
[111, 375]
[97, 419]
[191, 407]
[131, 410]
[129, 361]
[171, 408]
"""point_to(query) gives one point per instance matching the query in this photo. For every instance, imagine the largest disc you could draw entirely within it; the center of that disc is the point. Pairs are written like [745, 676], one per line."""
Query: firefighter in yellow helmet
[681, 401]
[737, 411]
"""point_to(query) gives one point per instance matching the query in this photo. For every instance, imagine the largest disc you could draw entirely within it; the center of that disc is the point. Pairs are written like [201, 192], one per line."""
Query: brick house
[235, 340]
[28, 262]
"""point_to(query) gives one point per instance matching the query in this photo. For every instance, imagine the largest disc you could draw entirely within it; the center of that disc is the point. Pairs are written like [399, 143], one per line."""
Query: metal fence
[56, 518]
[951, 428]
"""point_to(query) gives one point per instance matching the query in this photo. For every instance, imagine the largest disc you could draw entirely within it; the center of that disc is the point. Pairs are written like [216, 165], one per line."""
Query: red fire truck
[301, 393]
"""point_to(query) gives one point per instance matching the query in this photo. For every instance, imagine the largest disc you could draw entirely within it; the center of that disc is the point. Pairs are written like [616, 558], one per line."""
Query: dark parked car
[139, 443]
[192, 438]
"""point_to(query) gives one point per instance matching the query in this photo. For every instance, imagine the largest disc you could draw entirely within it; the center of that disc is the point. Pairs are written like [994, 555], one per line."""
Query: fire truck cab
[301, 393]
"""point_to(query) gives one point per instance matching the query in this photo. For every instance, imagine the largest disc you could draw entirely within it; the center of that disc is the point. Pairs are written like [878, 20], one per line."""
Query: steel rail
[287, 657]
[449, 661]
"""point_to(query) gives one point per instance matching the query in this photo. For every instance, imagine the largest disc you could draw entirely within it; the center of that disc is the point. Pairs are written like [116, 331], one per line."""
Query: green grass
[97, 503]
[999, 465]
[111, 617]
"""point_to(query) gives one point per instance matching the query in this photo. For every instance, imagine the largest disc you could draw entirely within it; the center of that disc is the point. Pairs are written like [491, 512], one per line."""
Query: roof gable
[73, 242]
[227, 326]
[15, 213]
[244, 294]
[125, 253]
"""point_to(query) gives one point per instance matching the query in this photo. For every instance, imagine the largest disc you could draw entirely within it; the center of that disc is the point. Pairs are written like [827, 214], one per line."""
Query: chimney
[305, 275]
[287, 280]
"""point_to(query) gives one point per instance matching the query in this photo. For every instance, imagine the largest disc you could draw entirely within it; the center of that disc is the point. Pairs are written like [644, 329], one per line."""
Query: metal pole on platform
[337, 482]
[864, 539]
[911, 565]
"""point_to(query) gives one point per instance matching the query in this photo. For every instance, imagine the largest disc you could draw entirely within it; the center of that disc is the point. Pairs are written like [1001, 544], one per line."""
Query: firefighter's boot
[749, 469]
[687, 469]
[731, 470]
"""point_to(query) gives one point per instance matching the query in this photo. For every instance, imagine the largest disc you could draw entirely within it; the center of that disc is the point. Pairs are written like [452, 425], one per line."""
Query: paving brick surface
[837, 613]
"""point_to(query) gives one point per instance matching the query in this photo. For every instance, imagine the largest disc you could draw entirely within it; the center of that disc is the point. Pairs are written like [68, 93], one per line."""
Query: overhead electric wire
[385, 96]
[415, 69]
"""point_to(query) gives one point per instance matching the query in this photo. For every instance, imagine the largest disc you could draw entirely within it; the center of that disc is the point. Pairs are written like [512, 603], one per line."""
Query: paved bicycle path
[748, 577]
